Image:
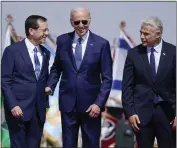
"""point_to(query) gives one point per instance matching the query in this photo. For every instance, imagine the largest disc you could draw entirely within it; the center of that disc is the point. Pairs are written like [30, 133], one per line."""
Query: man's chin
[43, 41]
[144, 44]
[81, 33]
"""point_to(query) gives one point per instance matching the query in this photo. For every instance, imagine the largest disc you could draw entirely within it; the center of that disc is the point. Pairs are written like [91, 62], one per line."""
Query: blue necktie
[78, 53]
[37, 63]
[153, 68]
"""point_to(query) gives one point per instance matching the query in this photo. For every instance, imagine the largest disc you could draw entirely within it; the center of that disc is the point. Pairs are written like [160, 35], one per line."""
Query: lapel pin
[91, 44]
[164, 54]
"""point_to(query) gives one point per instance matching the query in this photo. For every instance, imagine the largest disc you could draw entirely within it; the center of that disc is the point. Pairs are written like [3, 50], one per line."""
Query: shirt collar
[30, 46]
[85, 37]
[158, 48]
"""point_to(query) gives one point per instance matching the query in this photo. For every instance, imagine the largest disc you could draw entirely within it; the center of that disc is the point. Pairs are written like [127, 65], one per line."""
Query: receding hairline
[80, 9]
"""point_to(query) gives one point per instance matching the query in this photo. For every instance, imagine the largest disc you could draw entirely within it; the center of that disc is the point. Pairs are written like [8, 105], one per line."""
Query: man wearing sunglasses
[83, 60]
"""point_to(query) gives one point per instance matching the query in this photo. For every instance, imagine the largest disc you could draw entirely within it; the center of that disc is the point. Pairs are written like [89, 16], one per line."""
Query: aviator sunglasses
[84, 22]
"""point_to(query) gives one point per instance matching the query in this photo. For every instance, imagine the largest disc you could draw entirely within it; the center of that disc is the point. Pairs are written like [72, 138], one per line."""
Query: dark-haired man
[24, 77]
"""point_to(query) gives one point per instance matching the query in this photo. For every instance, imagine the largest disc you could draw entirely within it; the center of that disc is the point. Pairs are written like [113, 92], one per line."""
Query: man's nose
[47, 32]
[142, 36]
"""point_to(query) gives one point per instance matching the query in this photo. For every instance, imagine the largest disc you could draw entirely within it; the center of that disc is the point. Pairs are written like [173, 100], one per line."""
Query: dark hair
[32, 22]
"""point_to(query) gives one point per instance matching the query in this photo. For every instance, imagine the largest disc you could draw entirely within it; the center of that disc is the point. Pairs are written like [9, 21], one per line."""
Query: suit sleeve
[47, 97]
[55, 70]
[174, 87]
[127, 87]
[7, 67]
[106, 75]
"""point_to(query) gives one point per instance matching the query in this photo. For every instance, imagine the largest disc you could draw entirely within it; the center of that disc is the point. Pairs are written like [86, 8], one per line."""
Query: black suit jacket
[139, 88]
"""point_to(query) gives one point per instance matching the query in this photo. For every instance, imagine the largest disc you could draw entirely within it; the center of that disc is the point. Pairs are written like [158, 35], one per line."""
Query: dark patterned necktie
[152, 63]
[78, 53]
[37, 63]
[153, 68]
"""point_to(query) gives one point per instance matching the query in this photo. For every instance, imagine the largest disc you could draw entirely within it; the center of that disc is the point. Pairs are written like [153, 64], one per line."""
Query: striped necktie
[37, 63]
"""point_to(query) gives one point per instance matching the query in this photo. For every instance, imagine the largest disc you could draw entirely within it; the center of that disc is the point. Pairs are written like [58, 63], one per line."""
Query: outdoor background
[106, 19]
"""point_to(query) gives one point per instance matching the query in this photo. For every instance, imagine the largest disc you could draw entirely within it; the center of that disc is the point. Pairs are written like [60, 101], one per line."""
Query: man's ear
[158, 34]
[89, 21]
[31, 31]
[71, 22]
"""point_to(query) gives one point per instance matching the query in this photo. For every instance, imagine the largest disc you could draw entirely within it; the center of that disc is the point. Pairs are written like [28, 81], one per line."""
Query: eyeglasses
[84, 22]
[43, 30]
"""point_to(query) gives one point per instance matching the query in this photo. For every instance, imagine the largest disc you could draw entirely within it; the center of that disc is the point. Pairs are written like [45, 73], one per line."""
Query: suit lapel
[44, 59]
[24, 53]
[70, 50]
[162, 63]
[89, 47]
[146, 64]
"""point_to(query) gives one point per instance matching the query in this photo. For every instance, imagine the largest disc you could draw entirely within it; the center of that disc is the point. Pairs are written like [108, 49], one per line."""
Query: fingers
[134, 121]
[137, 119]
[48, 90]
[94, 111]
[93, 114]
[17, 112]
[135, 127]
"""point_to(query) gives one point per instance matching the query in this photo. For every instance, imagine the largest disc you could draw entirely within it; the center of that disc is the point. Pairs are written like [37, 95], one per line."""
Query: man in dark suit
[84, 62]
[24, 77]
[149, 87]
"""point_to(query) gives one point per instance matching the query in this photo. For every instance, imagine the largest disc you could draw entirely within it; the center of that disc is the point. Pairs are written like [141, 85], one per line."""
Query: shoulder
[136, 49]
[170, 47]
[65, 36]
[98, 38]
[14, 47]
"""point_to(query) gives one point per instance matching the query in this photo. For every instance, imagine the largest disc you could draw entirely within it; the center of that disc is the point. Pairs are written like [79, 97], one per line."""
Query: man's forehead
[147, 27]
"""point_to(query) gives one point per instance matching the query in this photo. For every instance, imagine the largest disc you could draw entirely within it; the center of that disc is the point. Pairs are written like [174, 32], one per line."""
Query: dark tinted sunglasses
[84, 22]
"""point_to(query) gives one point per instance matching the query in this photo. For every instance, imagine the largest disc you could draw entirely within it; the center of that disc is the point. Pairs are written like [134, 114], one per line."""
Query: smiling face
[150, 35]
[80, 20]
[39, 35]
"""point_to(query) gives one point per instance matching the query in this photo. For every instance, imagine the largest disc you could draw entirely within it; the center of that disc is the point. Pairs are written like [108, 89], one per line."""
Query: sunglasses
[84, 22]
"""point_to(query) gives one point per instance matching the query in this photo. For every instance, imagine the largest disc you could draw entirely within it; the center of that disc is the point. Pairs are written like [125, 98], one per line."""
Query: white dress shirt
[83, 42]
[157, 53]
[30, 48]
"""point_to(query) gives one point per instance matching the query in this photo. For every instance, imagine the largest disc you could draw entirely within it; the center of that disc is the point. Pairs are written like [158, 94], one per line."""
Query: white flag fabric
[124, 44]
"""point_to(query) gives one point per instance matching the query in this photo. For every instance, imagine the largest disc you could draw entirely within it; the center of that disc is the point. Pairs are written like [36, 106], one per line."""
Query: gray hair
[78, 9]
[154, 21]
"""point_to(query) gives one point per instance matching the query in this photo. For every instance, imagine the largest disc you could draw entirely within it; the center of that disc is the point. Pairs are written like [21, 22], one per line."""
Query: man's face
[80, 21]
[39, 35]
[149, 35]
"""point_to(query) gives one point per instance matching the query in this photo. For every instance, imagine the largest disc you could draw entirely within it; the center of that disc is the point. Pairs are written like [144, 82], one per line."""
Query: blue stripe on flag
[123, 44]
[117, 84]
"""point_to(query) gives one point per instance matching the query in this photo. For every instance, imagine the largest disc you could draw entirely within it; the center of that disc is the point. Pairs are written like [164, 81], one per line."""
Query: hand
[17, 112]
[48, 91]
[173, 124]
[133, 120]
[94, 110]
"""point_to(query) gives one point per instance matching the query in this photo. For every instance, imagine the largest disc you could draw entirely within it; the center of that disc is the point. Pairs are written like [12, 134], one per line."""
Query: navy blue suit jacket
[19, 84]
[91, 83]
[138, 87]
